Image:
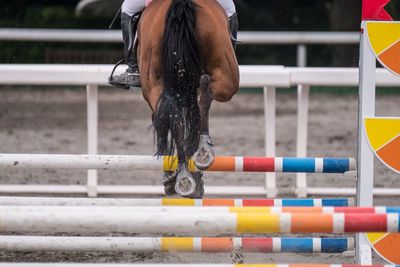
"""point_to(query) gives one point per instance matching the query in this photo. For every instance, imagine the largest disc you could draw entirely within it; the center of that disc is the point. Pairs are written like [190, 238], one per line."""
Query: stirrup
[110, 79]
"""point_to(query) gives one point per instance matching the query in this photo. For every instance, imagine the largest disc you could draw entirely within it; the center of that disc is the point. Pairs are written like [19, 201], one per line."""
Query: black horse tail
[177, 112]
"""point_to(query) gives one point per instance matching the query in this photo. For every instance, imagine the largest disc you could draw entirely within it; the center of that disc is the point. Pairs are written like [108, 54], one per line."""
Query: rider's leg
[129, 19]
[230, 10]
[233, 26]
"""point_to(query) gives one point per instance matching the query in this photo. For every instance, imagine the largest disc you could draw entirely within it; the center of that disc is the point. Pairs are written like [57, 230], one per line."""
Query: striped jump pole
[91, 220]
[12, 264]
[175, 244]
[169, 163]
[205, 210]
[53, 201]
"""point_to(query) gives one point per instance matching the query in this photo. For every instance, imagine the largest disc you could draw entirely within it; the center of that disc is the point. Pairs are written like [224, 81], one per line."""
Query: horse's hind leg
[205, 154]
[169, 177]
[185, 184]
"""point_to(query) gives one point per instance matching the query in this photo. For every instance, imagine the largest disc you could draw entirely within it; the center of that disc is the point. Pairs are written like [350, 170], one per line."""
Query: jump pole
[169, 163]
[53, 201]
[95, 221]
[175, 244]
[197, 210]
[182, 265]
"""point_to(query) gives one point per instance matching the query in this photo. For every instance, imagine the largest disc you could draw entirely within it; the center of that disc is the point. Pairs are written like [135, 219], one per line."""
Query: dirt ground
[53, 120]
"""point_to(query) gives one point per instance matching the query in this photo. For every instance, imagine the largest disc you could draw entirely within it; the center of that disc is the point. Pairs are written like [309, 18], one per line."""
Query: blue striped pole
[227, 202]
[169, 163]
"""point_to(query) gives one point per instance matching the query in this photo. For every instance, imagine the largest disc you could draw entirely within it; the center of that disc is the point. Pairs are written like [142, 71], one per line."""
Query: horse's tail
[177, 111]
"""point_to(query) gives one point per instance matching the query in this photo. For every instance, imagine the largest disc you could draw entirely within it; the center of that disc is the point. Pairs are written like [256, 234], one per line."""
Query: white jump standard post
[365, 162]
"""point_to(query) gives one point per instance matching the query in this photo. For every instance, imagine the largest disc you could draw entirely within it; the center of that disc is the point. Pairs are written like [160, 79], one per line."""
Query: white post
[365, 161]
[303, 96]
[270, 143]
[92, 134]
[301, 55]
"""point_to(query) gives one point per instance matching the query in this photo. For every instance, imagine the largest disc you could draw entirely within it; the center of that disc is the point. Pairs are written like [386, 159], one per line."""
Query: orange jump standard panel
[384, 138]
[384, 38]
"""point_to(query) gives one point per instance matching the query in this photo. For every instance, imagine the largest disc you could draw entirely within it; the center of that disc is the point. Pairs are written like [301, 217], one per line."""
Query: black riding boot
[233, 27]
[131, 76]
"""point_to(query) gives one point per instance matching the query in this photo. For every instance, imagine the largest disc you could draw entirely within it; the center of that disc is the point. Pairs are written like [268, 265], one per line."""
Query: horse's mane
[181, 75]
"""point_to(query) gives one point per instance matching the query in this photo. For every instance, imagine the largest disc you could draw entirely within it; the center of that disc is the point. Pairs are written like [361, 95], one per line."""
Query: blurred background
[254, 15]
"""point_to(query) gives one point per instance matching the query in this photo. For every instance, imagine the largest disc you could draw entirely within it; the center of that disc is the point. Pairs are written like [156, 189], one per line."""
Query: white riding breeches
[131, 7]
[228, 6]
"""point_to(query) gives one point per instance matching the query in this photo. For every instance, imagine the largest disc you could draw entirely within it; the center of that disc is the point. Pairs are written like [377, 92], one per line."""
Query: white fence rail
[300, 39]
[267, 77]
[114, 36]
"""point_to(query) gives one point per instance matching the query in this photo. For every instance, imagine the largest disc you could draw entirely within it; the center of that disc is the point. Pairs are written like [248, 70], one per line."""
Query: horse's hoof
[169, 190]
[199, 191]
[205, 155]
[169, 181]
[185, 184]
[203, 158]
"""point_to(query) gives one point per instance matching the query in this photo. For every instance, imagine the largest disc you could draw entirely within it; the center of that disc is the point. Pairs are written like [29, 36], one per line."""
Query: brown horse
[186, 60]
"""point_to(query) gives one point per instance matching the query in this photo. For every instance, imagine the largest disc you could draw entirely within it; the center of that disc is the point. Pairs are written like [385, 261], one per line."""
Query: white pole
[80, 162]
[173, 265]
[73, 201]
[128, 190]
[91, 220]
[92, 133]
[153, 190]
[30, 264]
[81, 244]
[303, 96]
[163, 244]
[270, 139]
[365, 163]
[170, 265]
[301, 55]
[197, 209]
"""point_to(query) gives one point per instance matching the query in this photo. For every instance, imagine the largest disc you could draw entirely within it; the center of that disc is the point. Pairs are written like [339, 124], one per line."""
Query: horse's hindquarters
[217, 53]
[178, 42]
